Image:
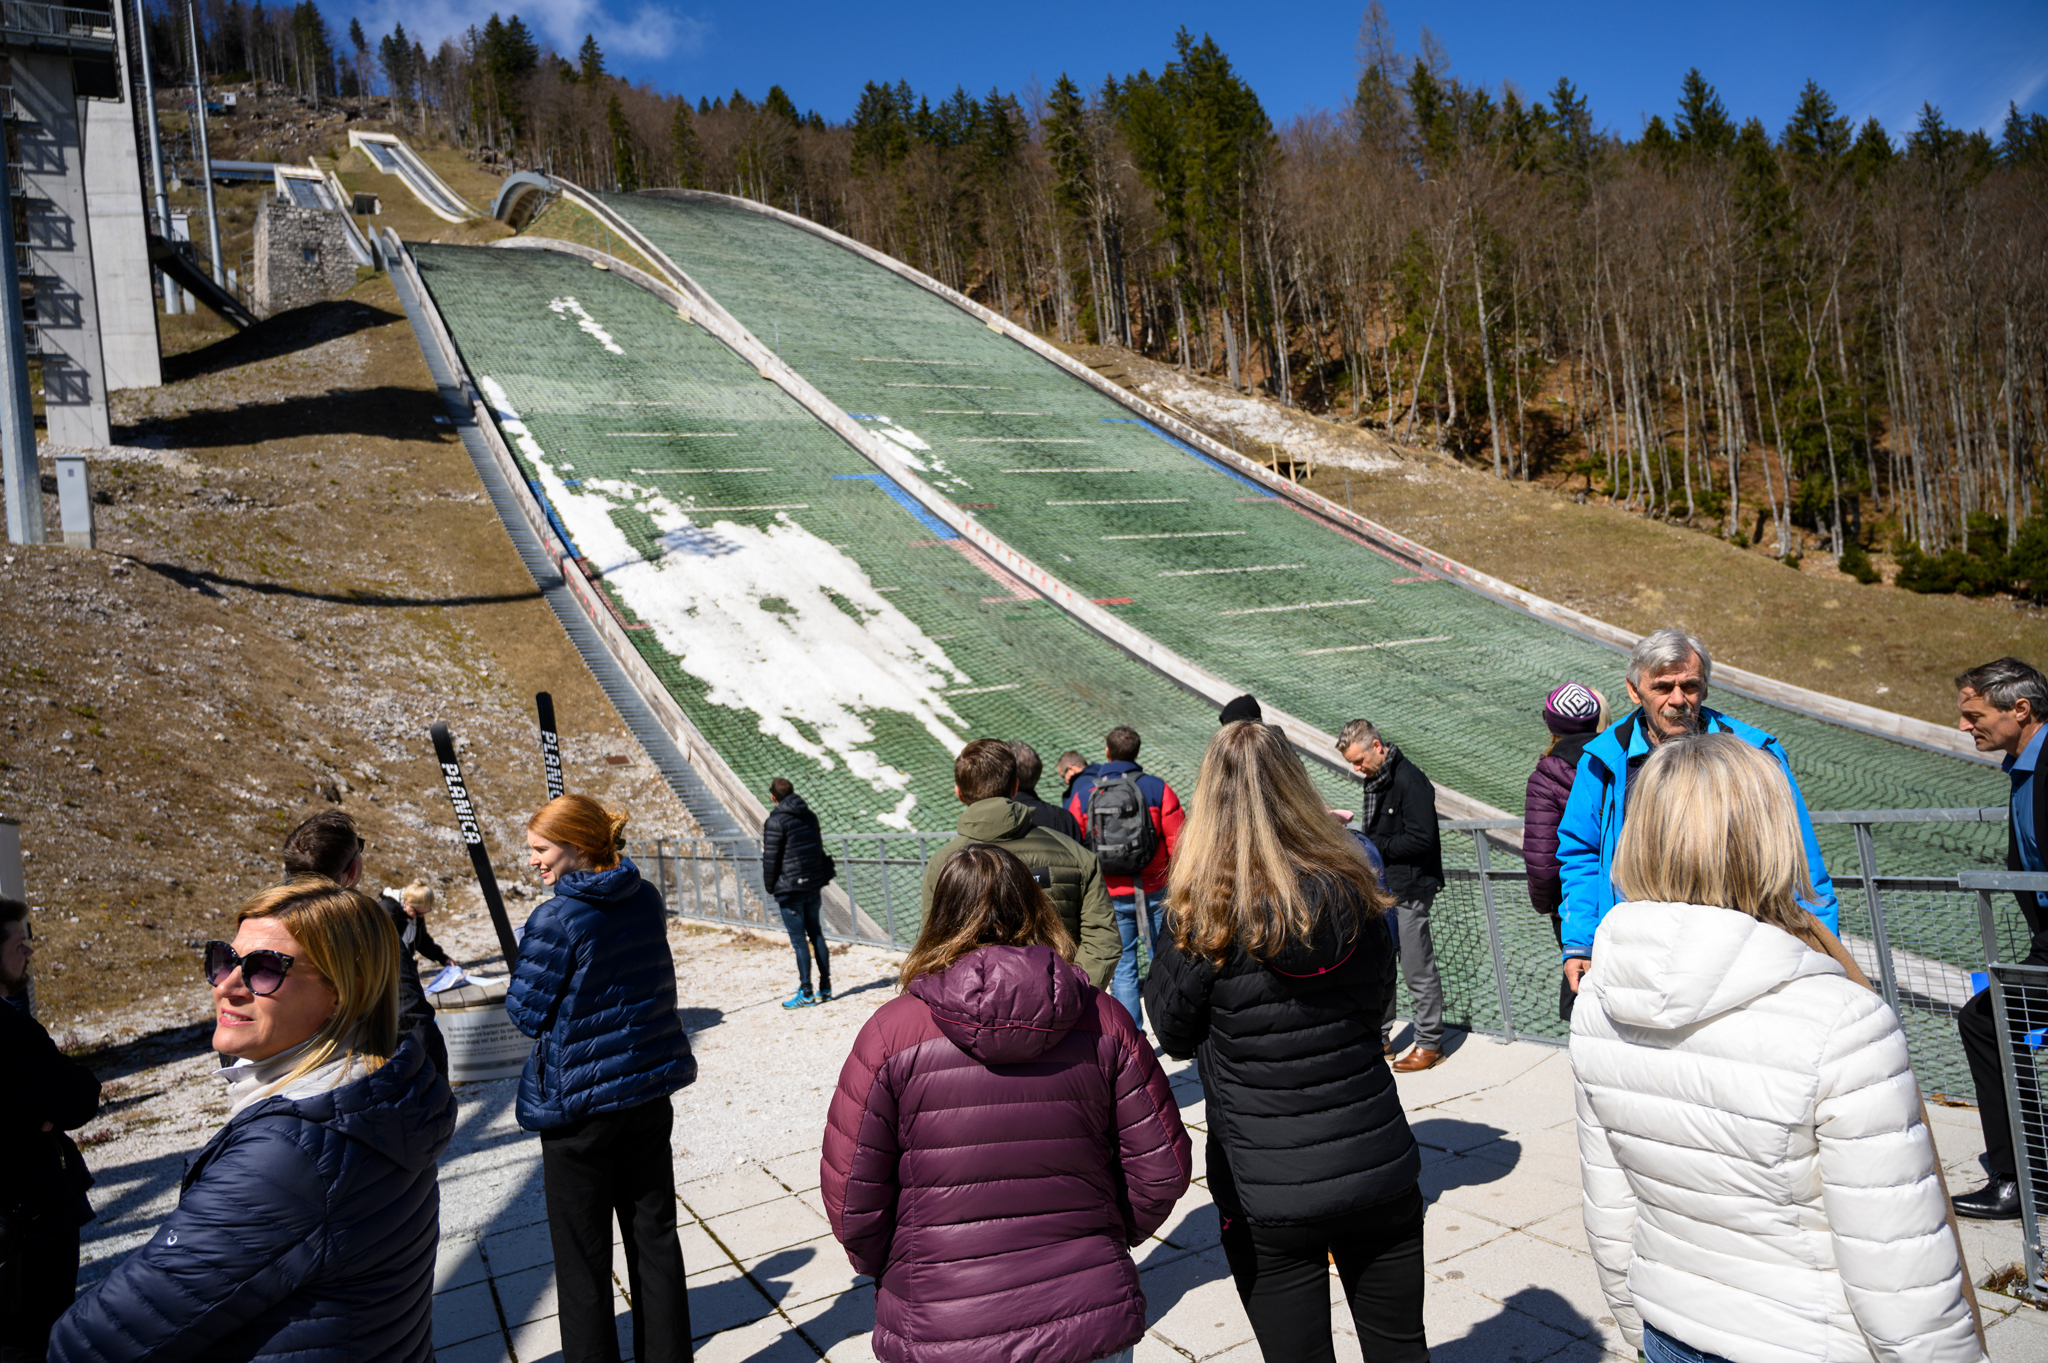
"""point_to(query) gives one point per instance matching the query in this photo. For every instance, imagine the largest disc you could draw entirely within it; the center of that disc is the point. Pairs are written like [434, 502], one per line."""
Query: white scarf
[249, 1081]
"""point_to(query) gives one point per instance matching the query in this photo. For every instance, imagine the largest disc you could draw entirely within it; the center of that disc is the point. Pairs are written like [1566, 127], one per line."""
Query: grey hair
[1030, 766]
[1667, 648]
[2005, 683]
[1354, 733]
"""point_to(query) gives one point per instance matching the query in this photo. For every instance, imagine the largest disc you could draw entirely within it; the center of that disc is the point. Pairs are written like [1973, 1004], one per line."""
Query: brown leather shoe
[1389, 1049]
[1418, 1059]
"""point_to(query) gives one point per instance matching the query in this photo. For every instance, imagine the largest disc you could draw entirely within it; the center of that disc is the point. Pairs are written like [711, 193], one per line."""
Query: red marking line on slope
[1015, 589]
[1112, 600]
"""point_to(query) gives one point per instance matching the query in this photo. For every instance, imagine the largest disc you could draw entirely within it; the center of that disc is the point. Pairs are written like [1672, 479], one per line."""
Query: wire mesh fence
[2019, 1000]
[1925, 941]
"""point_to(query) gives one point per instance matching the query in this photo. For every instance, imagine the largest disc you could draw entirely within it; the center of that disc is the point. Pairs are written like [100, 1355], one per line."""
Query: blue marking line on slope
[1188, 449]
[548, 509]
[902, 499]
[863, 416]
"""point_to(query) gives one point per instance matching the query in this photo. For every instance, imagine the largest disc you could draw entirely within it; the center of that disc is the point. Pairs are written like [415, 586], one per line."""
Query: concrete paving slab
[1505, 1196]
[719, 1302]
[465, 1313]
[1465, 1327]
[804, 1273]
[1192, 1304]
[799, 1172]
[771, 1340]
[459, 1263]
[1554, 1284]
[1450, 1231]
[527, 1295]
[755, 1231]
[1474, 1063]
[523, 1248]
[538, 1341]
[489, 1349]
[2018, 1337]
[843, 1326]
[700, 1251]
[745, 1186]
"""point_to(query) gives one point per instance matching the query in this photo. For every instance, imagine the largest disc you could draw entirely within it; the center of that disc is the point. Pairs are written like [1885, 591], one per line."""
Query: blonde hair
[582, 823]
[420, 893]
[1711, 820]
[1256, 831]
[349, 942]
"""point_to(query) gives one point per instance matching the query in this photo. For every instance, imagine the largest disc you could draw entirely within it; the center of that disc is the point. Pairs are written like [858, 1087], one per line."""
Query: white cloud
[647, 30]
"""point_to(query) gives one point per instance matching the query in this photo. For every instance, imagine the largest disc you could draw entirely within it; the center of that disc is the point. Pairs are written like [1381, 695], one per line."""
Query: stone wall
[302, 256]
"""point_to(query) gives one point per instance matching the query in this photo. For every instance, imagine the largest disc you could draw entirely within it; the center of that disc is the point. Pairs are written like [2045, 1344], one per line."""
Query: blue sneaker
[824, 995]
[802, 998]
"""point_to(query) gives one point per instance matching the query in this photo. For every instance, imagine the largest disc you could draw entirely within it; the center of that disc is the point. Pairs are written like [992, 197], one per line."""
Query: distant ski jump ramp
[392, 156]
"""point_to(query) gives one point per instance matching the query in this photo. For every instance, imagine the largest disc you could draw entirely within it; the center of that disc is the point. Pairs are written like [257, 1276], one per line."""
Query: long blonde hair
[349, 941]
[1256, 831]
[1711, 820]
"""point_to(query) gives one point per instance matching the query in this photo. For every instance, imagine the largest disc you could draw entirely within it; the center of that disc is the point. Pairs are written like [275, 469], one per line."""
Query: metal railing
[1920, 938]
[2019, 1010]
[56, 21]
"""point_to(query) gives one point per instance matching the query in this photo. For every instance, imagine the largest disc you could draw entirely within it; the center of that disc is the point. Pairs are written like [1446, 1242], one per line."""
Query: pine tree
[1816, 132]
[781, 105]
[589, 61]
[685, 151]
[881, 135]
[1703, 124]
[625, 164]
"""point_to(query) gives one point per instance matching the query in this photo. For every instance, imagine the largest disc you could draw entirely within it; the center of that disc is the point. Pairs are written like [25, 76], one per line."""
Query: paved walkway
[1510, 1277]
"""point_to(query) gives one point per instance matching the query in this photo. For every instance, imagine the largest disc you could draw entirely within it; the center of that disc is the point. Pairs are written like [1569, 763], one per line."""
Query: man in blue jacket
[1668, 674]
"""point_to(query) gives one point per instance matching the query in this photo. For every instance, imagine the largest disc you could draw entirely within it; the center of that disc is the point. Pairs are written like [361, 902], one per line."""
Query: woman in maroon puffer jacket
[1573, 714]
[1000, 1138]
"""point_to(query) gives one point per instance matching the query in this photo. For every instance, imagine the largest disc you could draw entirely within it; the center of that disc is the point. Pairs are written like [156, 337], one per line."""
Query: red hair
[582, 823]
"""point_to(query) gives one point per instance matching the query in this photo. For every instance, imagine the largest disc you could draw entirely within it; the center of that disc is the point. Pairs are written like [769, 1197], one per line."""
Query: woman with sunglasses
[595, 986]
[306, 1228]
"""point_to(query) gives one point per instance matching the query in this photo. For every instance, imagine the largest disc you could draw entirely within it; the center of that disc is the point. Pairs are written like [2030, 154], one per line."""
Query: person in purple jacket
[1573, 713]
[1001, 1138]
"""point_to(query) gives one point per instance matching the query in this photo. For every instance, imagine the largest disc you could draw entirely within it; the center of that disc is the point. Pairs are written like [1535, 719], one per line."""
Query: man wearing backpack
[1131, 821]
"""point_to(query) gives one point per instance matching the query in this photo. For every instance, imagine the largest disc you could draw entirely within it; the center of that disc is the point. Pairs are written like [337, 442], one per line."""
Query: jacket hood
[793, 804]
[598, 887]
[998, 819]
[1667, 966]
[404, 1109]
[1005, 1005]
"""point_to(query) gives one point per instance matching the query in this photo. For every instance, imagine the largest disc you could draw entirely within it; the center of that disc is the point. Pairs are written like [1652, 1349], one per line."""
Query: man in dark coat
[327, 844]
[795, 870]
[1043, 813]
[2004, 707]
[43, 1095]
[1397, 814]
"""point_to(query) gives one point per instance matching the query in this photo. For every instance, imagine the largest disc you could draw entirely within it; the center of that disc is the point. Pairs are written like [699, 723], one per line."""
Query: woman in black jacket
[1275, 970]
[43, 1094]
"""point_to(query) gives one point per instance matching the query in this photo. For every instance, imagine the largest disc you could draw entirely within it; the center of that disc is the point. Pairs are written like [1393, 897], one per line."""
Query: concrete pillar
[120, 236]
[60, 251]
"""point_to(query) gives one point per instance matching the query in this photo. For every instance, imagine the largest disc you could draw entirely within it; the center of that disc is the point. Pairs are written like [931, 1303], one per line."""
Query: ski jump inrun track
[834, 520]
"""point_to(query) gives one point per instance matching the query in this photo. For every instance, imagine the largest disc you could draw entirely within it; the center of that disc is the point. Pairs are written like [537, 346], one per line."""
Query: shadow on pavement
[1509, 1335]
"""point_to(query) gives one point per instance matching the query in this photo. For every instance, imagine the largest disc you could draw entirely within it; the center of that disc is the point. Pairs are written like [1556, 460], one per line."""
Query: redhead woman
[1276, 969]
[1000, 1139]
[595, 985]
[306, 1227]
[1760, 1186]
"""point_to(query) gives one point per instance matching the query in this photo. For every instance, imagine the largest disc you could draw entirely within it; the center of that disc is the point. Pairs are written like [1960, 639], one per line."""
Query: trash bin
[482, 1042]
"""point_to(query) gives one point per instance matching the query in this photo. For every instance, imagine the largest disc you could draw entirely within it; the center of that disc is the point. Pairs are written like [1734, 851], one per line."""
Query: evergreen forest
[1813, 335]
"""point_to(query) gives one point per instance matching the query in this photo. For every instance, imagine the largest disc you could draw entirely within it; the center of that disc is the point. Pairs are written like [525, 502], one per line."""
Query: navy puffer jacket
[305, 1230]
[1304, 1121]
[596, 987]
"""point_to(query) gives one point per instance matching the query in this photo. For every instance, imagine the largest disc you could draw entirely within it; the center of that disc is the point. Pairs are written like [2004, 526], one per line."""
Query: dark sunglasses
[262, 971]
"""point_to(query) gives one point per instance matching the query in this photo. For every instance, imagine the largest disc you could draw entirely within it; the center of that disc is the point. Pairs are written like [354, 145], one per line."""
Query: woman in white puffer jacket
[1759, 1184]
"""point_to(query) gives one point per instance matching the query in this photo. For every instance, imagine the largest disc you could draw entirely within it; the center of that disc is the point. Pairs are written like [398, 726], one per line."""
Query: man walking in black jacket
[1397, 814]
[1029, 767]
[794, 868]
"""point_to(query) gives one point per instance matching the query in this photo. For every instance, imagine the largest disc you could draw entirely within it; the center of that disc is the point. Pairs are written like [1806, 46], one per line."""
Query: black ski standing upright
[550, 743]
[473, 835]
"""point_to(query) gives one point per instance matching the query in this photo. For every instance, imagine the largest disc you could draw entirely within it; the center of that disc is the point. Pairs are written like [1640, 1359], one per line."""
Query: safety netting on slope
[1306, 617]
[808, 616]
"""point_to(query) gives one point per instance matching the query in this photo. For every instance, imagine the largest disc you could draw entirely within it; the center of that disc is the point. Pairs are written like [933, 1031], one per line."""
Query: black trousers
[1981, 1043]
[37, 1285]
[1283, 1279]
[616, 1164]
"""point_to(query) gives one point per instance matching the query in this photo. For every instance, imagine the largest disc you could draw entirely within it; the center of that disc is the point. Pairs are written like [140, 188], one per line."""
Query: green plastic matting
[808, 616]
[1214, 566]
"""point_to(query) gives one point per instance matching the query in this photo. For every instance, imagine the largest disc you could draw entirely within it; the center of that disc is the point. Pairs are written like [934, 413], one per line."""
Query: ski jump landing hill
[392, 156]
[837, 520]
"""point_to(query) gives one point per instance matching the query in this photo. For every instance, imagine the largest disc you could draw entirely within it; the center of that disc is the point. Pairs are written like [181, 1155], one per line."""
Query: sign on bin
[482, 1042]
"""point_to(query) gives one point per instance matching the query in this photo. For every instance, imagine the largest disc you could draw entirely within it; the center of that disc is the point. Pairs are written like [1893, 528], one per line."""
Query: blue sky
[1878, 57]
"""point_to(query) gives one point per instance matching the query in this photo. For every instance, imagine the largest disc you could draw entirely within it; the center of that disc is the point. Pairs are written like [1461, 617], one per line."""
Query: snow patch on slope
[773, 620]
[1304, 440]
[585, 322]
